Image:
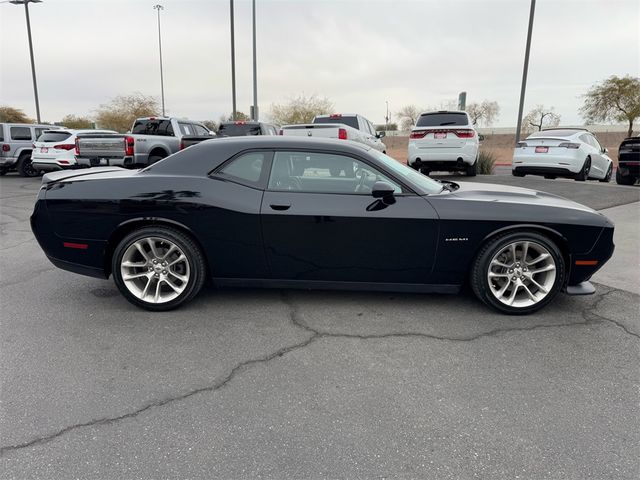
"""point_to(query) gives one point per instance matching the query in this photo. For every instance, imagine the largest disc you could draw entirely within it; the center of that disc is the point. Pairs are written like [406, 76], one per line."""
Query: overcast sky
[359, 54]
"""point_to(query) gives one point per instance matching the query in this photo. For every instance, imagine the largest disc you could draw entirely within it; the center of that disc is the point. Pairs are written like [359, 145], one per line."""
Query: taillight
[280, 132]
[521, 144]
[129, 142]
[464, 133]
[335, 115]
[570, 145]
[6, 147]
[77, 146]
[342, 133]
[418, 134]
[66, 146]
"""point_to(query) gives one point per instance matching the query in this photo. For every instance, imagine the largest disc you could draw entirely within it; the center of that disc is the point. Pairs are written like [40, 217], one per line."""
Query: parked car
[241, 128]
[151, 139]
[17, 140]
[265, 211]
[55, 149]
[628, 171]
[339, 126]
[562, 152]
[444, 141]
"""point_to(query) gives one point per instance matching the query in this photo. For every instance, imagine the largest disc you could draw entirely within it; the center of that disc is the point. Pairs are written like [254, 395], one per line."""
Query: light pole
[233, 61]
[525, 70]
[255, 69]
[158, 8]
[386, 118]
[33, 65]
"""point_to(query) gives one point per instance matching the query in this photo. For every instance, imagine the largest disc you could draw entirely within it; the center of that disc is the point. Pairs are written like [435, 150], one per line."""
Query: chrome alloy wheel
[155, 270]
[521, 274]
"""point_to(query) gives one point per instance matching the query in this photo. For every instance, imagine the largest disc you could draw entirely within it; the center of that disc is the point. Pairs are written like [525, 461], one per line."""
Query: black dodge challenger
[309, 213]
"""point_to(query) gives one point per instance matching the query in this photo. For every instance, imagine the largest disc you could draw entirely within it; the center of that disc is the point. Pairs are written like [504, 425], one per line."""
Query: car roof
[197, 159]
[38, 125]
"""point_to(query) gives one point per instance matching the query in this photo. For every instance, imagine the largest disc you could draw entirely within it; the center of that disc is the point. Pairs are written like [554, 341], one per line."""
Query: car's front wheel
[518, 273]
[158, 268]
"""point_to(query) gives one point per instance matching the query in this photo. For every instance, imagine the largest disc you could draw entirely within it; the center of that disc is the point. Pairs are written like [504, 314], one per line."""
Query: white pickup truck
[341, 126]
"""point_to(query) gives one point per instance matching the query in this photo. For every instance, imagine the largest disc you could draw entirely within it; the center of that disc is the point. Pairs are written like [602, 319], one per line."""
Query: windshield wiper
[447, 123]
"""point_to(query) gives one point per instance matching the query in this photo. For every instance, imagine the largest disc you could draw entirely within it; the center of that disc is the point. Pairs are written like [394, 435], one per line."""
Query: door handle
[280, 207]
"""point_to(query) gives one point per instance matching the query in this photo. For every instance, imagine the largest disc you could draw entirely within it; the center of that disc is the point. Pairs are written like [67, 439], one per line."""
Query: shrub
[486, 162]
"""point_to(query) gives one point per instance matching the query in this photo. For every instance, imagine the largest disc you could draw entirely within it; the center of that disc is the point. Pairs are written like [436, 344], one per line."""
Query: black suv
[628, 171]
[241, 128]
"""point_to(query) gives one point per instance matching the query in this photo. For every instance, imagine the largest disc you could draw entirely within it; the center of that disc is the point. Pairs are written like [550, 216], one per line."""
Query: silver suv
[16, 143]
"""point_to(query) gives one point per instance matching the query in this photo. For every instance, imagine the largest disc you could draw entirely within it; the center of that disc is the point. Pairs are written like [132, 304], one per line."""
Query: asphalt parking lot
[297, 384]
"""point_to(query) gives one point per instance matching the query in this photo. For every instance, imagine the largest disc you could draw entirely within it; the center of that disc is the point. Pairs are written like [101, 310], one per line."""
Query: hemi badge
[586, 262]
[79, 246]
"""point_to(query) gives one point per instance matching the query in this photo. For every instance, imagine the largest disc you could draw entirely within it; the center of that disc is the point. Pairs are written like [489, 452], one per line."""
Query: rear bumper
[442, 156]
[446, 166]
[105, 162]
[557, 171]
[7, 161]
[51, 166]
[572, 161]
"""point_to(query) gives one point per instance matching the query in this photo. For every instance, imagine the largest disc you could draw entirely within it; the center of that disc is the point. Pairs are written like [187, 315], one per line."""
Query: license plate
[440, 135]
[44, 149]
[542, 149]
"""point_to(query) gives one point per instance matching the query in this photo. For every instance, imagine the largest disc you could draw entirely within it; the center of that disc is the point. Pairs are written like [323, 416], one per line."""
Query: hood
[489, 192]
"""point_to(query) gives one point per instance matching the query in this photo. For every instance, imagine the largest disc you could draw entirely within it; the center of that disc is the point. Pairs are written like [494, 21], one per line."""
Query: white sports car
[562, 152]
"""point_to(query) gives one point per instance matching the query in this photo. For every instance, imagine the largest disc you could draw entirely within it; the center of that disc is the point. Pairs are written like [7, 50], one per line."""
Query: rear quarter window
[442, 120]
[1, 133]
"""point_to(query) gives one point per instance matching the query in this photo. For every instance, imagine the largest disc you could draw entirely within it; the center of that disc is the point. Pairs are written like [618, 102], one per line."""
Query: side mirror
[605, 150]
[380, 134]
[480, 137]
[382, 190]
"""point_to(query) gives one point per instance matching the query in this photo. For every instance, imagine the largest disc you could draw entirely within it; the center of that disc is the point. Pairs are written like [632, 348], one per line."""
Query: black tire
[472, 170]
[624, 179]
[583, 174]
[425, 171]
[24, 167]
[3, 172]
[550, 177]
[192, 252]
[515, 173]
[479, 271]
[607, 177]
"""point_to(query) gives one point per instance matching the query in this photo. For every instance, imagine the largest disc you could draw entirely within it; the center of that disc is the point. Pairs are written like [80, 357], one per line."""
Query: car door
[599, 162]
[319, 225]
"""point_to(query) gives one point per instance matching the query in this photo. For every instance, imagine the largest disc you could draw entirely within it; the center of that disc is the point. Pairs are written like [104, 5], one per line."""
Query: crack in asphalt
[589, 318]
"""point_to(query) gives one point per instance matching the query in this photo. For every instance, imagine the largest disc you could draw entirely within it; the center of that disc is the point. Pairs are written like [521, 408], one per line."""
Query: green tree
[73, 121]
[13, 115]
[120, 113]
[614, 99]
[300, 110]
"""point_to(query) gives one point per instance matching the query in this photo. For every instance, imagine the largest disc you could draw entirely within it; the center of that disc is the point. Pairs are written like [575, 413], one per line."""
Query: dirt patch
[501, 145]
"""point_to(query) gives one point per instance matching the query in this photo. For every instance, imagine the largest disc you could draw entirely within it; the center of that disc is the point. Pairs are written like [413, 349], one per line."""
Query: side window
[200, 130]
[20, 133]
[40, 131]
[585, 139]
[324, 173]
[1, 133]
[247, 168]
[595, 143]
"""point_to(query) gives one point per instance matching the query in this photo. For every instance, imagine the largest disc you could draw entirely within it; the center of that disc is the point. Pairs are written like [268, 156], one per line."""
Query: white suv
[444, 141]
[55, 149]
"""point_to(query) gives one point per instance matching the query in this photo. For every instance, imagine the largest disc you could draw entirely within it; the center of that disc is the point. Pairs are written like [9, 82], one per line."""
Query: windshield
[426, 184]
[351, 121]
[238, 129]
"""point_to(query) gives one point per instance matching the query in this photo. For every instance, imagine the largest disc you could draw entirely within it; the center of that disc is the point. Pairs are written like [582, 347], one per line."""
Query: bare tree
[300, 110]
[240, 117]
[616, 98]
[539, 118]
[120, 113]
[483, 113]
[408, 116]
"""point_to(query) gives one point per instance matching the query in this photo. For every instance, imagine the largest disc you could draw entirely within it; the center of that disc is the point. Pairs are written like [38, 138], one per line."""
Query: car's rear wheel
[158, 268]
[550, 177]
[583, 174]
[624, 179]
[155, 158]
[3, 171]
[515, 173]
[518, 273]
[425, 171]
[607, 177]
[24, 166]
[472, 170]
